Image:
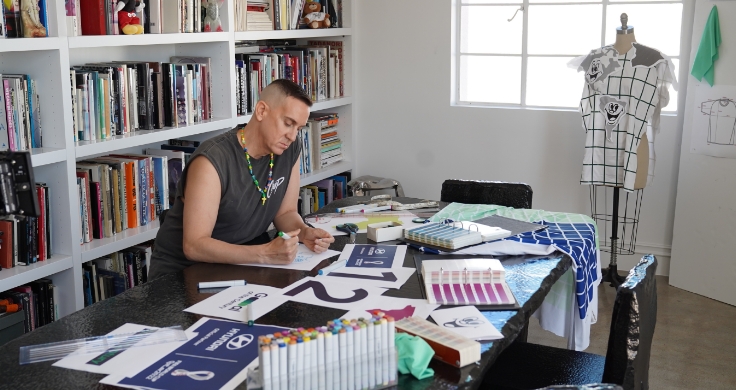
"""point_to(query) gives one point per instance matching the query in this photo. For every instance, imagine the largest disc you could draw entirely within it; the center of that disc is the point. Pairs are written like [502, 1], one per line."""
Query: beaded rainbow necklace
[252, 175]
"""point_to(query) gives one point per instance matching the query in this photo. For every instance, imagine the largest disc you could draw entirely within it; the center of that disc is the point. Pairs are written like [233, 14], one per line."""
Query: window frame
[524, 12]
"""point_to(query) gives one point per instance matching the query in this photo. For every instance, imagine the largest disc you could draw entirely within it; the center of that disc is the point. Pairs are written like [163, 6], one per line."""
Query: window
[523, 62]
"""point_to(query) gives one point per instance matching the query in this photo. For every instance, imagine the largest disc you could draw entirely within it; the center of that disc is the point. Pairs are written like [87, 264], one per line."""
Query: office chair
[531, 366]
[516, 195]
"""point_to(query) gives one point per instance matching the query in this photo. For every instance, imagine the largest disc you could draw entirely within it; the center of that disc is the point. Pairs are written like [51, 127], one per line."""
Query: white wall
[409, 131]
[705, 225]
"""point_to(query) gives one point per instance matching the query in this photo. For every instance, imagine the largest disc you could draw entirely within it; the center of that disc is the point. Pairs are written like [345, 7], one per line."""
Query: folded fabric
[414, 356]
[707, 55]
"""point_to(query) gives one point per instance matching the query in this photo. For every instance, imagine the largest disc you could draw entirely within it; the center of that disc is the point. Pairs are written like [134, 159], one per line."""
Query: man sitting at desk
[247, 179]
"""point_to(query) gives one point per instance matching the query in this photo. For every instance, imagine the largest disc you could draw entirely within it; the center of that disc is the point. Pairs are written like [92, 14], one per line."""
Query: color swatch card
[215, 359]
[466, 282]
[305, 259]
[371, 256]
[466, 321]
[232, 303]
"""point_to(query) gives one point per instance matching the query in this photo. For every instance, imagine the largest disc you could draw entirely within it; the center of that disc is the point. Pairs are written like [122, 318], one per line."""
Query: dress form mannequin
[624, 38]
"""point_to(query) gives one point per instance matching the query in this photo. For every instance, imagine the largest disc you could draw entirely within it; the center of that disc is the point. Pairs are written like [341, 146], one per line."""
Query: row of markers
[356, 354]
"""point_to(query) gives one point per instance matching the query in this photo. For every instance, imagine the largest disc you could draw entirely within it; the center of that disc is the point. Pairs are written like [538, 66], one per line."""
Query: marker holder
[362, 372]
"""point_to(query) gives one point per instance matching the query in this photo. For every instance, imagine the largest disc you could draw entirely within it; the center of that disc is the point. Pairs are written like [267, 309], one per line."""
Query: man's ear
[262, 109]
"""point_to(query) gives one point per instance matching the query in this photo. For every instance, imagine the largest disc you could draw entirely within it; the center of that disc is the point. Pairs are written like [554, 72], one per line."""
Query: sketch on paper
[721, 120]
[714, 121]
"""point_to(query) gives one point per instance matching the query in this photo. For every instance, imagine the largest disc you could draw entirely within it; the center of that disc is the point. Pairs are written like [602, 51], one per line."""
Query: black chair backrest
[516, 195]
[632, 328]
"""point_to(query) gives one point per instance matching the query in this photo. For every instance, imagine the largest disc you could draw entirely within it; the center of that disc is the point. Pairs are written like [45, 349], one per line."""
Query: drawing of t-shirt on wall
[721, 120]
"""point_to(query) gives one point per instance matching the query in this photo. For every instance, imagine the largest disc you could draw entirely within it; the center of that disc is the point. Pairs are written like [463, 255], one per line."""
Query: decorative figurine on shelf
[32, 26]
[313, 17]
[129, 22]
[212, 18]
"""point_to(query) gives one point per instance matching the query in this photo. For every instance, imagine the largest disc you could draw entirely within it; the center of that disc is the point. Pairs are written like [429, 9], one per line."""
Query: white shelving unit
[48, 61]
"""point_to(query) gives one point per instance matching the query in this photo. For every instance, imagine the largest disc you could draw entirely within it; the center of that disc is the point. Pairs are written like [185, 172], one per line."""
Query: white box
[385, 231]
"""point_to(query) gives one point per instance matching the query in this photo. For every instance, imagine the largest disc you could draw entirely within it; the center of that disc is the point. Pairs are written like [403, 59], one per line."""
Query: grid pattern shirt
[622, 95]
[577, 240]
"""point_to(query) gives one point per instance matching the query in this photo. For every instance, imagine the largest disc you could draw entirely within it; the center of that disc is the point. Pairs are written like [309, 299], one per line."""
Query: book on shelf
[258, 15]
[20, 119]
[115, 273]
[27, 240]
[313, 197]
[35, 303]
[100, 17]
[121, 97]
[318, 69]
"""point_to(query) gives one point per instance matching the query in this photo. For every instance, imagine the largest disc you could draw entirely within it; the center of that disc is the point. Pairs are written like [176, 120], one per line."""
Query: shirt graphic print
[623, 93]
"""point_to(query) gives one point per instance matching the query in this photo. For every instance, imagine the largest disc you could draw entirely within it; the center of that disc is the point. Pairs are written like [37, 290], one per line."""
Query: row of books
[30, 306]
[117, 98]
[317, 67]
[321, 144]
[99, 17]
[20, 113]
[315, 196]
[259, 15]
[27, 240]
[24, 19]
[115, 273]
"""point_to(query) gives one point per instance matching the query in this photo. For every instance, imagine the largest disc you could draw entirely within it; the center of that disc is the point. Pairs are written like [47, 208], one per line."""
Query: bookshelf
[48, 61]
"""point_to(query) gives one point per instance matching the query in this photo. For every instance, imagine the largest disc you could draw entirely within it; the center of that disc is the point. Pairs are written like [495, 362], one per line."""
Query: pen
[425, 249]
[332, 267]
[373, 209]
[224, 283]
[284, 235]
[357, 206]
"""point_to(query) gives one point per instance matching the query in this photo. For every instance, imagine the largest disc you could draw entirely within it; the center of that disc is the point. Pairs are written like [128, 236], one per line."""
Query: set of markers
[353, 355]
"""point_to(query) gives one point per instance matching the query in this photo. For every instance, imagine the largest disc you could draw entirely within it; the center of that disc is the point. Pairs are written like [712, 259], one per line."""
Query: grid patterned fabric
[577, 240]
[573, 234]
[622, 94]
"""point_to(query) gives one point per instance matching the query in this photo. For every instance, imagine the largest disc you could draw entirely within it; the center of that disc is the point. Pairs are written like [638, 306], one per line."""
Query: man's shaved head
[276, 92]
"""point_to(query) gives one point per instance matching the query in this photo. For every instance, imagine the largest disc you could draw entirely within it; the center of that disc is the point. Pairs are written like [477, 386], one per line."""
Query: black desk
[161, 303]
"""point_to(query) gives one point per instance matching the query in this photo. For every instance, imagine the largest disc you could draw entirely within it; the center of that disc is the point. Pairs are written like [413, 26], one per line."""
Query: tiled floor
[694, 343]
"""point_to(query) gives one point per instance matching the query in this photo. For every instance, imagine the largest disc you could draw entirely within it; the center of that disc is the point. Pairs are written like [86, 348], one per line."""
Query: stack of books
[113, 274]
[117, 98]
[24, 19]
[316, 195]
[321, 144]
[27, 240]
[252, 15]
[20, 113]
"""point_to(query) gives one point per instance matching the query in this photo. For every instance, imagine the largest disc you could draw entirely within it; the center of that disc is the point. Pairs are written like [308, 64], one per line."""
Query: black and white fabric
[623, 94]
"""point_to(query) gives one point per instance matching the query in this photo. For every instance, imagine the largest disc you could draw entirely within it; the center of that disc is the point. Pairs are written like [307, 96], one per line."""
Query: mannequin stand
[623, 220]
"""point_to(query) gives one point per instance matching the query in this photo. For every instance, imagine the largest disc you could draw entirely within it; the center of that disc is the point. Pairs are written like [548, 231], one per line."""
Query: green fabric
[471, 212]
[707, 54]
[414, 356]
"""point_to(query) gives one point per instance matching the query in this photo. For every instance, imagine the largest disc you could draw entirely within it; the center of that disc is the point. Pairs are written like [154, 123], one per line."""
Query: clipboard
[419, 258]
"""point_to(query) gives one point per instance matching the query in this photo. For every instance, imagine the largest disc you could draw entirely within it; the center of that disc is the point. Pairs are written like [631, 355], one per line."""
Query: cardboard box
[385, 231]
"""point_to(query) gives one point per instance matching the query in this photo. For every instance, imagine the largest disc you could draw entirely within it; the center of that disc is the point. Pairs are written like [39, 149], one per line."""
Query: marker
[224, 283]
[265, 362]
[371, 353]
[284, 236]
[332, 267]
[350, 353]
[425, 249]
[299, 364]
[321, 382]
[335, 359]
[374, 209]
[292, 363]
[357, 372]
[343, 341]
[329, 369]
[364, 354]
[384, 359]
[283, 367]
[349, 209]
[313, 363]
[249, 312]
[307, 366]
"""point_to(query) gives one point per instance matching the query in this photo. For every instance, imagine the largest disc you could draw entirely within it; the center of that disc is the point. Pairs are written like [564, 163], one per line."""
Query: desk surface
[161, 303]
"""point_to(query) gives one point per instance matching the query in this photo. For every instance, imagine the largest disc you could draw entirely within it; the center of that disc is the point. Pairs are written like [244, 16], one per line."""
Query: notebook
[470, 281]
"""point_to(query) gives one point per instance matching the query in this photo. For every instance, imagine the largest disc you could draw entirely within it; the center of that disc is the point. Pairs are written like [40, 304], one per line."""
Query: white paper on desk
[332, 292]
[373, 256]
[135, 358]
[363, 220]
[467, 321]
[398, 308]
[383, 278]
[231, 303]
[305, 259]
